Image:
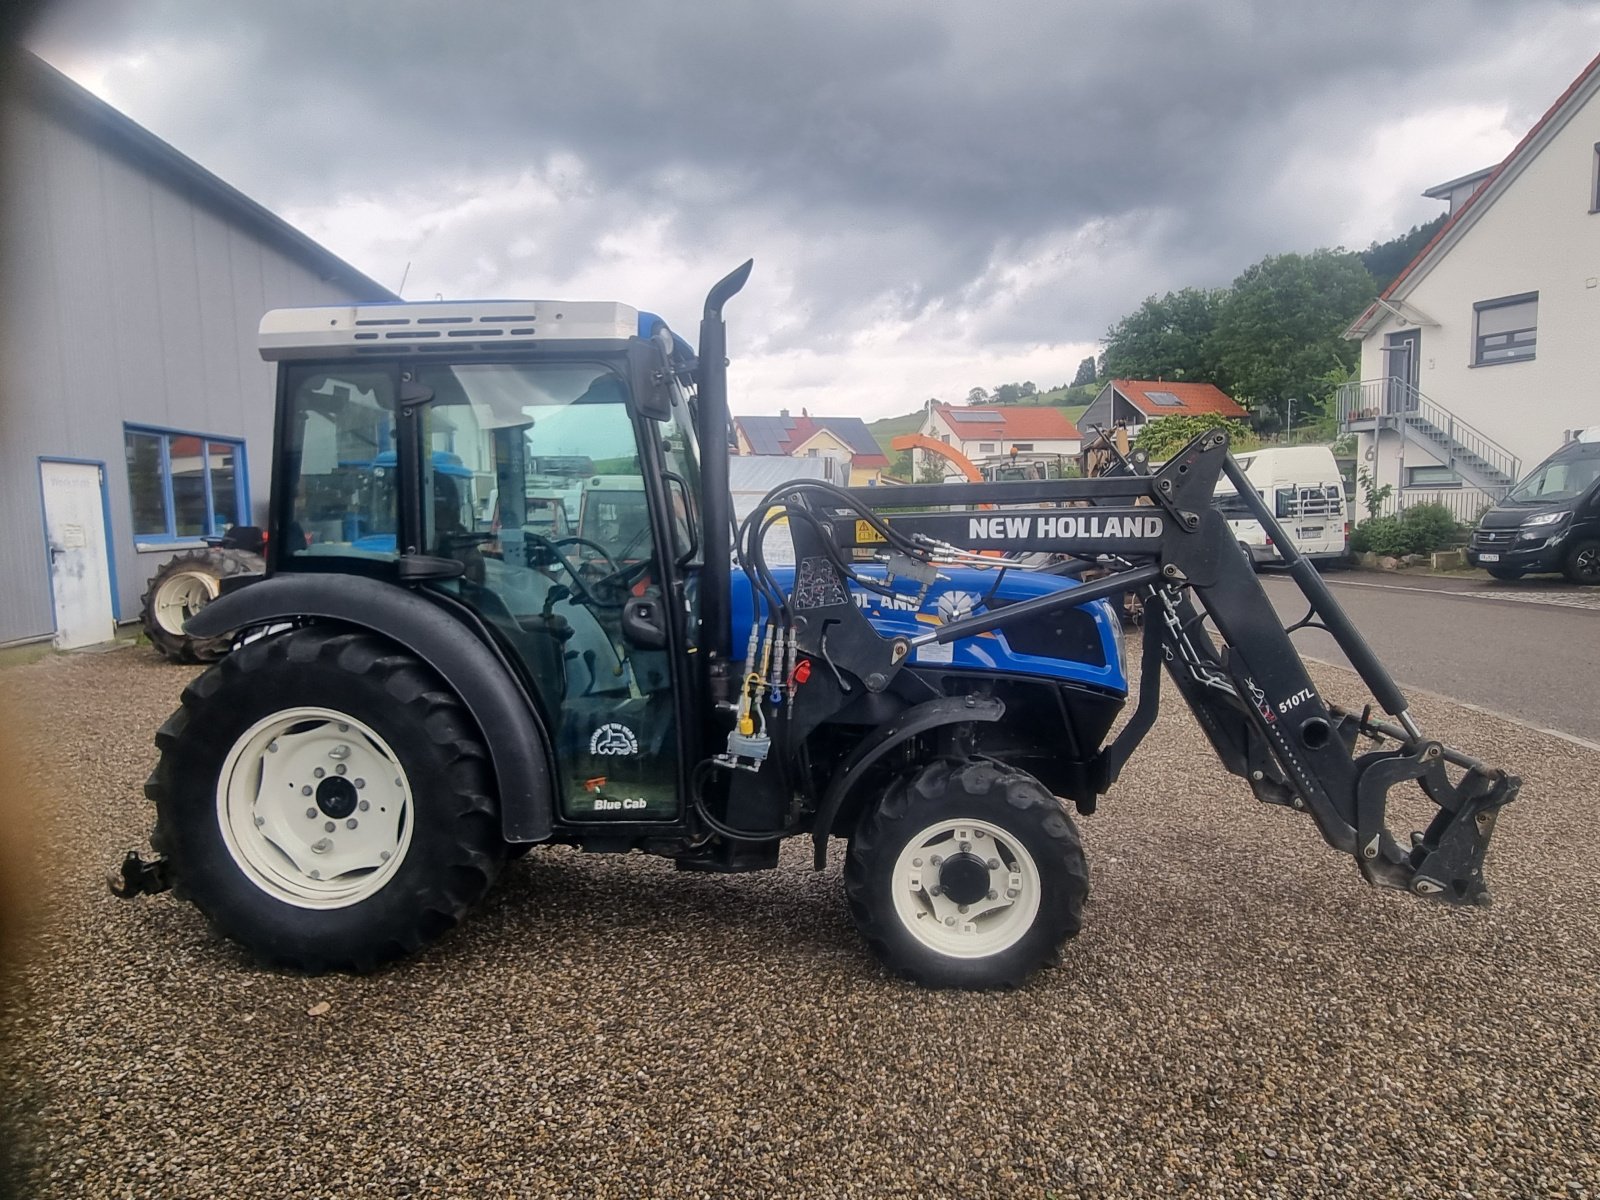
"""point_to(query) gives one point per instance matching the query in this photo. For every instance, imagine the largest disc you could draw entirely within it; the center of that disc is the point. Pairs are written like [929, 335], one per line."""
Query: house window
[184, 486]
[985, 447]
[1432, 477]
[1505, 329]
[1022, 447]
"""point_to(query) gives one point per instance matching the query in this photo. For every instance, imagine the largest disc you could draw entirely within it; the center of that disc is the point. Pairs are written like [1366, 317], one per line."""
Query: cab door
[579, 600]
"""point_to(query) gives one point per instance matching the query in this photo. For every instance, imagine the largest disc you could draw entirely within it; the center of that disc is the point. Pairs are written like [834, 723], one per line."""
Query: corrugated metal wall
[122, 301]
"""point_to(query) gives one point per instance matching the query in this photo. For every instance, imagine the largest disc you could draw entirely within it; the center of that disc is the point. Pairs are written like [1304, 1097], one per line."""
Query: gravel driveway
[1241, 1017]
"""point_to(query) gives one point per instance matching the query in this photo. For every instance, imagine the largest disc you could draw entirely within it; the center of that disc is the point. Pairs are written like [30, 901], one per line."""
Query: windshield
[1565, 475]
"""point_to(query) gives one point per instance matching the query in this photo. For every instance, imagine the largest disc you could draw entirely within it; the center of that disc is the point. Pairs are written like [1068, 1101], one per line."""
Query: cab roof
[448, 326]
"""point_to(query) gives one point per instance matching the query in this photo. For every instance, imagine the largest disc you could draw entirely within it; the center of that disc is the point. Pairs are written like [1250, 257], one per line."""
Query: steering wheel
[600, 551]
[585, 590]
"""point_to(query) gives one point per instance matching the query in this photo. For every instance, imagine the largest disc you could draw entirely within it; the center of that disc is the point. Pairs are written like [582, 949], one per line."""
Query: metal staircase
[1394, 403]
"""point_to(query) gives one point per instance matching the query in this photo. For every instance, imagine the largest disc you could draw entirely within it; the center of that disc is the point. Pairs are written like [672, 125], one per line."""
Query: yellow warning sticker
[866, 533]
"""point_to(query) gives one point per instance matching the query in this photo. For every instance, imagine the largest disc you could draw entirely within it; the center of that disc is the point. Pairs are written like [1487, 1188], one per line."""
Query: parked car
[1548, 522]
[1306, 491]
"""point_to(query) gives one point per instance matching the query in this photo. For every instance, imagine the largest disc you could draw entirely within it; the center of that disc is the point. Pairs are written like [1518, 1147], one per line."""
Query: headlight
[1545, 519]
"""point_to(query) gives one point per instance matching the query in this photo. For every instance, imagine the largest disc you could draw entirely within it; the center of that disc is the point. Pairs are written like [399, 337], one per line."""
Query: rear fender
[519, 748]
[919, 719]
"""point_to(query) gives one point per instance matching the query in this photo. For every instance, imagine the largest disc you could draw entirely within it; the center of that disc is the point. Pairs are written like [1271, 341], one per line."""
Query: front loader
[403, 711]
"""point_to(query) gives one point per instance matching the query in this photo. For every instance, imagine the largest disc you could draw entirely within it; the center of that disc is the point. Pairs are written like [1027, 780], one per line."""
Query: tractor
[412, 698]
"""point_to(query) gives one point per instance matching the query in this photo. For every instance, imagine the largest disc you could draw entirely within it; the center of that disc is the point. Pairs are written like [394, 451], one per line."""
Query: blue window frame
[184, 486]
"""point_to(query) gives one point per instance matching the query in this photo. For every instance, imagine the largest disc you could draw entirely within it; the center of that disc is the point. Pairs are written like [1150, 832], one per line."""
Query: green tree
[1165, 436]
[1385, 260]
[1166, 338]
[1085, 373]
[1280, 330]
[978, 395]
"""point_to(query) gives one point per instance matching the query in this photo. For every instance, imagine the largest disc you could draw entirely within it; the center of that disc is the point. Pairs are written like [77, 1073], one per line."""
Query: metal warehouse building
[136, 417]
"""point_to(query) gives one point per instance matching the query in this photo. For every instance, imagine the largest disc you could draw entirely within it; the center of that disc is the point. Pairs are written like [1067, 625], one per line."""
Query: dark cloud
[1015, 173]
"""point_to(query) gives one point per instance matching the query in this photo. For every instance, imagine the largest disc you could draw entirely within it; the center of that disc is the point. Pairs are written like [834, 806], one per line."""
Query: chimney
[783, 412]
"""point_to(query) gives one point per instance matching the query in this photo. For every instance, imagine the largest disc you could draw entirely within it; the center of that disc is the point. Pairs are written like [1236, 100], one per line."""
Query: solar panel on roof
[986, 418]
[1166, 399]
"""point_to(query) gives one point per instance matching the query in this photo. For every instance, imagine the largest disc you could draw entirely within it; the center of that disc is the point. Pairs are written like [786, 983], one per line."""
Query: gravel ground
[1241, 1017]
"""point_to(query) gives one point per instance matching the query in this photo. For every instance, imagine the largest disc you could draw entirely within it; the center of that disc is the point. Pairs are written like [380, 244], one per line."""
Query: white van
[1303, 487]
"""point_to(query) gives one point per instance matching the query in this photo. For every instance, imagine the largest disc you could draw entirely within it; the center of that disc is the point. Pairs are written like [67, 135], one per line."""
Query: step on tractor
[431, 675]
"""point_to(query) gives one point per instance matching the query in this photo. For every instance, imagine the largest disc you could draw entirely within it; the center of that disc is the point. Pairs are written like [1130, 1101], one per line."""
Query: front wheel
[1583, 562]
[967, 874]
[325, 801]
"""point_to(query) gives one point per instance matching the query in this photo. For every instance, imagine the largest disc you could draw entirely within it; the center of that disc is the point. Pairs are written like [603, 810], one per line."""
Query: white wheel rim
[987, 923]
[180, 596]
[315, 808]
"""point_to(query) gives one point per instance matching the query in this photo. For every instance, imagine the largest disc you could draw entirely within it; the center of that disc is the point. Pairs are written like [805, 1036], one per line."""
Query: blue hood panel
[959, 592]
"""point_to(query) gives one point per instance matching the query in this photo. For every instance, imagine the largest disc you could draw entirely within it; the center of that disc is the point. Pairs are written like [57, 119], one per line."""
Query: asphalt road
[1529, 650]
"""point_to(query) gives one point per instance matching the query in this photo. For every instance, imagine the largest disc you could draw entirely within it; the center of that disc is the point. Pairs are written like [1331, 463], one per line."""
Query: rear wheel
[967, 874]
[1583, 562]
[182, 587]
[1503, 573]
[332, 835]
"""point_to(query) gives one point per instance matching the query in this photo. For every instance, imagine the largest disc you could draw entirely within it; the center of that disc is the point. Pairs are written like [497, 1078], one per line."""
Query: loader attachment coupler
[1210, 628]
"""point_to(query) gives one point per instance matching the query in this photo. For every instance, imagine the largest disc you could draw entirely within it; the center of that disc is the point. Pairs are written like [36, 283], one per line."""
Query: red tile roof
[1194, 398]
[1008, 423]
[1470, 206]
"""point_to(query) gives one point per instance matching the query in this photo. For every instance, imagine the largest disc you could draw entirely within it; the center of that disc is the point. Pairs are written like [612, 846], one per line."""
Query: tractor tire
[325, 801]
[1582, 563]
[182, 587]
[968, 875]
[1503, 573]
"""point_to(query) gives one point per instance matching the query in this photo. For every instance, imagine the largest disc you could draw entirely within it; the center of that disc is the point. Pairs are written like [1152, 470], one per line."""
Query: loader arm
[1249, 690]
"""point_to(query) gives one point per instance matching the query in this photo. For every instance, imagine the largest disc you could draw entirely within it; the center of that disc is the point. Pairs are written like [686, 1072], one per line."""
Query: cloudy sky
[936, 194]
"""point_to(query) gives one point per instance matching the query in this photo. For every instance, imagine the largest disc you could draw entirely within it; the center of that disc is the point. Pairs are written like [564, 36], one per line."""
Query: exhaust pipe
[711, 390]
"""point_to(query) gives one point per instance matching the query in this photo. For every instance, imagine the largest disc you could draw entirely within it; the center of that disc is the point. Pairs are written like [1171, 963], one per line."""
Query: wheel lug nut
[350, 824]
[329, 826]
[949, 920]
[311, 814]
[343, 728]
[1012, 893]
[965, 846]
[361, 783]
[322, 846]
[936, 860]
[339, 770]
[316, 874]
[993, 895]
[272, 747]
[306, 791]
[916, 862]
[962, 908]
[364, 805]
[383, 856]
[993, 864]
[977, 833]
[260, 821]
[318, 773]
[934, 891]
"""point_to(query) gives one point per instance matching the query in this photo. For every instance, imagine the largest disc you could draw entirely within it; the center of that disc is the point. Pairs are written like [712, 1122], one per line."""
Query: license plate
[1488, 557]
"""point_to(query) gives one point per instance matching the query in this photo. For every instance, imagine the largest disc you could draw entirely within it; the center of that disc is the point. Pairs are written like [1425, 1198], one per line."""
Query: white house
[1482, 356]
[998, 432]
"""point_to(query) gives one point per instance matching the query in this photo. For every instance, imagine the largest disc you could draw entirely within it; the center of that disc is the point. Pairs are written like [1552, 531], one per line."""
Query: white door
[80, 573]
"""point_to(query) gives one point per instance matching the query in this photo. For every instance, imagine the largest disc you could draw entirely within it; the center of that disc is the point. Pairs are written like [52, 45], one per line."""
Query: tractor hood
[1078, 645]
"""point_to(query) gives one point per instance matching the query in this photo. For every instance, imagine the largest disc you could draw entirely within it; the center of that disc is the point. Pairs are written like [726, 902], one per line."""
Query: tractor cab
[393, 446]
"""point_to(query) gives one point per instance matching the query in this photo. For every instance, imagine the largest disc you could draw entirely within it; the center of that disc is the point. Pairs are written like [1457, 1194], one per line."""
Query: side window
[340, 475]
[182, 485]
[1283, 503]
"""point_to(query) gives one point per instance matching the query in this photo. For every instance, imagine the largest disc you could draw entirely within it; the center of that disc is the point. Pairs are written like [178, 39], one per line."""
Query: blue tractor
[426, 683]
